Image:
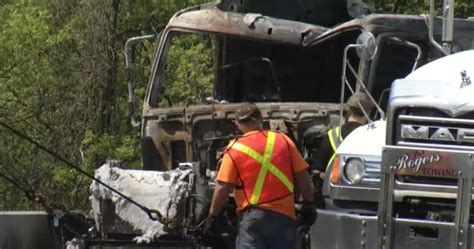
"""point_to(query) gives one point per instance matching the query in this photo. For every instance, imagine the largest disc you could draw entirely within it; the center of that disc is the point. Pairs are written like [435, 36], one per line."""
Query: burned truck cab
[241, 57]
[235, 58]
[208, 61]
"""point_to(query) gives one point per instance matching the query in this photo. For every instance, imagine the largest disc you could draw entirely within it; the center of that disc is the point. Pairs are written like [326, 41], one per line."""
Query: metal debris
[162, 191]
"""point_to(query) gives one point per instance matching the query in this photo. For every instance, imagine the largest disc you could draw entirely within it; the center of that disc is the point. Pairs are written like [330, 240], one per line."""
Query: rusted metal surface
[413, 26]
[251, 26]
[202, 123]
[258, 26]
[291, 111]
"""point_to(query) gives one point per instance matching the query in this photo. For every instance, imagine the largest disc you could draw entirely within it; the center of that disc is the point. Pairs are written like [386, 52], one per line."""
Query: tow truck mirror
[367, 46]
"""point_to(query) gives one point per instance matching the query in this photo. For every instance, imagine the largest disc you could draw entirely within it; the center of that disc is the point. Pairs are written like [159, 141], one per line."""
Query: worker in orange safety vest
[263, 168]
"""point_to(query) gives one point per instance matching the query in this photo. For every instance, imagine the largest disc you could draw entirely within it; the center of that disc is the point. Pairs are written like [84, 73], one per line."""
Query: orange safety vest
[263, 163]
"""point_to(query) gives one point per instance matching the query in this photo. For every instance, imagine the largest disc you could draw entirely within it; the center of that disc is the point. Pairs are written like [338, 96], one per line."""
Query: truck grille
[427, 180]
[436, 130]
[431, 128]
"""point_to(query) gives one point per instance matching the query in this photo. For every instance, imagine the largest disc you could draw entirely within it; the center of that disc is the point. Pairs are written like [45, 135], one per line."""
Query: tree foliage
[190, 68]
[62, 82]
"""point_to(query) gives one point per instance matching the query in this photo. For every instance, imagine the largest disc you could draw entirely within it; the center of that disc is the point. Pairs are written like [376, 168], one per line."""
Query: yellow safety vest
[335, 139]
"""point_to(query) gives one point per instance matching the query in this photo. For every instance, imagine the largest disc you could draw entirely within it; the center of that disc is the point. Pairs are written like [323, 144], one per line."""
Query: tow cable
[152, 213]
[29, 193]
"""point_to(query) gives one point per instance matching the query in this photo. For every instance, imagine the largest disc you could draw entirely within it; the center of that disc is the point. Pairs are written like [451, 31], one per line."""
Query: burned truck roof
[258, 26]
[254, 26]
[260, 30]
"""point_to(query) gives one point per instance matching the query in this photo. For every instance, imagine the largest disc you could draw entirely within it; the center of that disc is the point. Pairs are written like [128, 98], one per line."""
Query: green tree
[62, 83]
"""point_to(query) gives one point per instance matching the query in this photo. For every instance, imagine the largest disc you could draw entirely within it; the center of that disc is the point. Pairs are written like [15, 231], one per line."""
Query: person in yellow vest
[263, 168]
[354, 118]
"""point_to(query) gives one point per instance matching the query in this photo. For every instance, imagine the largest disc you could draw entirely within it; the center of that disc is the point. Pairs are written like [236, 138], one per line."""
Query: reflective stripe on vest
[335, 139]
[265, 166]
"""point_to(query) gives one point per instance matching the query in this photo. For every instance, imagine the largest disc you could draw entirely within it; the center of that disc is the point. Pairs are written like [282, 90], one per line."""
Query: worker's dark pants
[265, 229]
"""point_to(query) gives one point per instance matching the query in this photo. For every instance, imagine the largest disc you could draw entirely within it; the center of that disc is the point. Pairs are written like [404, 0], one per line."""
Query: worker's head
[354, 107]
[248, 117]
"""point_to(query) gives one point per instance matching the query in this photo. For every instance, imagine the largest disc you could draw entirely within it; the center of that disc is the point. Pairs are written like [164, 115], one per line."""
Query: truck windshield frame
[291, 71]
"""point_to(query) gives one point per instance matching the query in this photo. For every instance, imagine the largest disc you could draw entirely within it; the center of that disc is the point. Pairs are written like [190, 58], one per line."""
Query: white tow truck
[405, 182]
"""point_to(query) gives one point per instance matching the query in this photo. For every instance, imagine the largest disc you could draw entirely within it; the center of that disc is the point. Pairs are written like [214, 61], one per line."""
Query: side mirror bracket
[135, 119]
[366, 48]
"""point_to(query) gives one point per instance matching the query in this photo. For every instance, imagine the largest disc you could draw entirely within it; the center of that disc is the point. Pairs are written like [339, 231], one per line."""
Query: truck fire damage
[298, 63]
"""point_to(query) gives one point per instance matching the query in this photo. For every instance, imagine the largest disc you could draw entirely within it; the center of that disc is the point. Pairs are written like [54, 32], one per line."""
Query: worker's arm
[304, 185]
[221, 193]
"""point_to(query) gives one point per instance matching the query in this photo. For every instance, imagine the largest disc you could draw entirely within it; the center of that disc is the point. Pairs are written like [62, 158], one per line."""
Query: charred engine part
[278, 125]
[201, 134]
[208, 136]
[212, 158]
[312, 138]
[215, 149]
[208, 131]
[198, 198]
[307, 134]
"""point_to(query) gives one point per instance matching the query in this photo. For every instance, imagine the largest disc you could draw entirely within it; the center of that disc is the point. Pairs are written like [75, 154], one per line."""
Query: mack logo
[415, 162]
[423, 132]
[466, 80]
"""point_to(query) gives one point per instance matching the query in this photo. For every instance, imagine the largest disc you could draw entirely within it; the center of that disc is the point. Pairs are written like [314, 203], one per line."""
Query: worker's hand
[308, 215]
[207, 234]
[210, 225]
